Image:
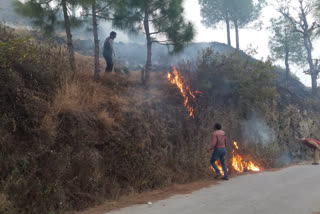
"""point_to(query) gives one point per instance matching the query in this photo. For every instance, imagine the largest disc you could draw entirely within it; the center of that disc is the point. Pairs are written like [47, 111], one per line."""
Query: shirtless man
[219, 150]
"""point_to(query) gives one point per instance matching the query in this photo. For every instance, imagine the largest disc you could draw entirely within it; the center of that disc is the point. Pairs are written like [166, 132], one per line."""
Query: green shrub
[16, 51]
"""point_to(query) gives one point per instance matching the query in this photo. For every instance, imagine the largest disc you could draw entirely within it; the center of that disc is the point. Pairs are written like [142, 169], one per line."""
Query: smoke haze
[256, 130]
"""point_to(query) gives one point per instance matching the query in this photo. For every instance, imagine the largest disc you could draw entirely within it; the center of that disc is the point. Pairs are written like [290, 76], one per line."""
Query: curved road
[294, 190]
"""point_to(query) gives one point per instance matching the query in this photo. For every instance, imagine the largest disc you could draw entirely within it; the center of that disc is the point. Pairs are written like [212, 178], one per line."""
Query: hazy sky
[258, 39]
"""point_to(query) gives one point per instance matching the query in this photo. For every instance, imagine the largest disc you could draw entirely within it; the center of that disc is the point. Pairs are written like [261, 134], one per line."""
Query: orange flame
[241, 165]
[236, 145]
[238, 164]
[177, 79]
[219, 167]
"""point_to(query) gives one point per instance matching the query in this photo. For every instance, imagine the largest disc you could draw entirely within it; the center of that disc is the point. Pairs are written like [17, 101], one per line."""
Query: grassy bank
[68, 142]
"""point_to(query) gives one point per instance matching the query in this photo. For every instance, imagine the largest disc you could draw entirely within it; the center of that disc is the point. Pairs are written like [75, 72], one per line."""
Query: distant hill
[8, 16]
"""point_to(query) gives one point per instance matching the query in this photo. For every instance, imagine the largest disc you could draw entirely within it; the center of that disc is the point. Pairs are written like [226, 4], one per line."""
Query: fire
[238, 163]
[219, 167]
[241, 165]
[253, 167]
[177, 79]
[236, 145]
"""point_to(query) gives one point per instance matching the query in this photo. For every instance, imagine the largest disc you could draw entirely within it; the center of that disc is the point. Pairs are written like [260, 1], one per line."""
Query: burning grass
[238, 163]
[70, 143]
[188, 94]
[241, 165]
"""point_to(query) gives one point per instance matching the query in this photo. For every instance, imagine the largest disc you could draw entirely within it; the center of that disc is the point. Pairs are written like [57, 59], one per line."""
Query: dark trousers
[109, 62]
[219, 153]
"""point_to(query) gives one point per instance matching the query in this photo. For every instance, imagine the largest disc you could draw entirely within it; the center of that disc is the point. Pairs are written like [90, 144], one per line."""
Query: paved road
[295, 190]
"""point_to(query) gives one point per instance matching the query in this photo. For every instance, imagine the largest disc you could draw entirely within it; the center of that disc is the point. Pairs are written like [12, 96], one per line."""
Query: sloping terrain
[68, 142]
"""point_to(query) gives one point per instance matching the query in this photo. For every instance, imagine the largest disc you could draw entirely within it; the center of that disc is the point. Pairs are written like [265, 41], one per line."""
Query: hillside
[133, 54]
[68, 143]
[8, 16]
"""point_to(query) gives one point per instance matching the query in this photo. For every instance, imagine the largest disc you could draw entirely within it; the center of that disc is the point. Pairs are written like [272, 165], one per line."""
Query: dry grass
[72, 142]
[106, 119]
[78, 95]
[85, 64]
[5, 205]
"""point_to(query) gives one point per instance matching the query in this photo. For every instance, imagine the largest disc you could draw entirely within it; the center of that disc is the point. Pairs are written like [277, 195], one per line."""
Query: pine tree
[316, 13]
[45, 15]
[162, 22]
[300, 24]
[215, 11]
[42, 16]
[69, 35]
[285, 44]
[96, 10]
[243, 13]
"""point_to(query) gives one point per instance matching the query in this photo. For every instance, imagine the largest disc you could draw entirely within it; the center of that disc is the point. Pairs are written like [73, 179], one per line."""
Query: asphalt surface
[294, 190]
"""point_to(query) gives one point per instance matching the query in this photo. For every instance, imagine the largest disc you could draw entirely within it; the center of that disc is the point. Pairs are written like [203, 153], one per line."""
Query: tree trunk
[237, 34]
[314, 84]
[69, 36]
[96, 41]
[312, 68]
[149, 63]
[146, 75]
[308, 46]
[286, 60]
[228, 32]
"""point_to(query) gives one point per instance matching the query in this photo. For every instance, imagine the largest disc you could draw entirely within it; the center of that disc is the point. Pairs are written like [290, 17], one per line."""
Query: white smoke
[256, 130]
[284, 159]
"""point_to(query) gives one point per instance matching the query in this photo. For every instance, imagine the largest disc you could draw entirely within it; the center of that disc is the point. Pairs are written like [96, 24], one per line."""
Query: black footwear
[315, 163]
[224, 178]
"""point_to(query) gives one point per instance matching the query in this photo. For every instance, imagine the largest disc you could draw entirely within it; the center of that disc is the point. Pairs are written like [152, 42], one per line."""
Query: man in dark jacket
[108, 52]
[219, 150]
